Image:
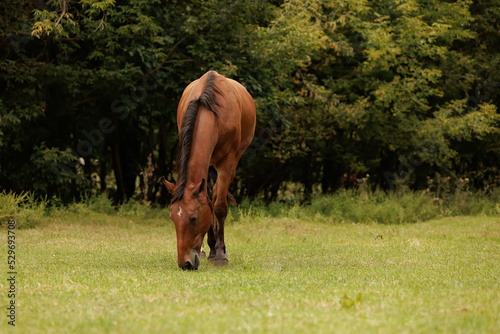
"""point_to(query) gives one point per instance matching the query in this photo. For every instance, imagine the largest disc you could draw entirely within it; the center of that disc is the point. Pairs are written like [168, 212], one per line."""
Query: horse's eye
[194, 218]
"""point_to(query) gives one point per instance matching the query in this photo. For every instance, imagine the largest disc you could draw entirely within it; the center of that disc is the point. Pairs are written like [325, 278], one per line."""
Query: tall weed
[353, 206]
[93, 204]
[376, 207]
[23, 208]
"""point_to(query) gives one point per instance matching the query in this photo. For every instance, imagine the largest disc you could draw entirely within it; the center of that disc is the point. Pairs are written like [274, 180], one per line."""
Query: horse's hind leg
[211, 241]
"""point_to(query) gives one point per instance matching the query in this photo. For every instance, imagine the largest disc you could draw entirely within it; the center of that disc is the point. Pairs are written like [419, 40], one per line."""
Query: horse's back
[235, 112]
[247, 110]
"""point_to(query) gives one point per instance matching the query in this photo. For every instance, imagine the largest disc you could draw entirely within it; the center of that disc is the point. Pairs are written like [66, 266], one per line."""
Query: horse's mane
[207, 99]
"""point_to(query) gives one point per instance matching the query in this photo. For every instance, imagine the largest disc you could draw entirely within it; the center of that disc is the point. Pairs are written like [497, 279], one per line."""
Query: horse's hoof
[219, 263]
[203, 254]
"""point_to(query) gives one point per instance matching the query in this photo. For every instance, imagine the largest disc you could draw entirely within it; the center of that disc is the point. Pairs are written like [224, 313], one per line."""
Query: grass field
[108, 273]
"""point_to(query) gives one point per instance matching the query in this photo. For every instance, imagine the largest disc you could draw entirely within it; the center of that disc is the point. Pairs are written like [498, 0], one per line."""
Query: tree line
[390, 90]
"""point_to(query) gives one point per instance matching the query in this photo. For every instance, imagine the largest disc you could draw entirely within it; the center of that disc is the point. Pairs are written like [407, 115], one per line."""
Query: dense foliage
[402, 91]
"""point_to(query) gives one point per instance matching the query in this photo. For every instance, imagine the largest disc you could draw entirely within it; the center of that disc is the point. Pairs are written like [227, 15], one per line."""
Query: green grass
[87, 272]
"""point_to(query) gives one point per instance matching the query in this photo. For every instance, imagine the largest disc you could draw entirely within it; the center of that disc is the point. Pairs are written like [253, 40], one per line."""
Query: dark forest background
[394, 92]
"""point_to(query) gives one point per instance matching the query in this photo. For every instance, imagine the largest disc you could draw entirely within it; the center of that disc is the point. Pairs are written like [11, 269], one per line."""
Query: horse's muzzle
[191, 264]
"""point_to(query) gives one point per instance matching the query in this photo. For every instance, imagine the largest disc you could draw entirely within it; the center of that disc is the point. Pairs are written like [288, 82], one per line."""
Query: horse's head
[192, 216]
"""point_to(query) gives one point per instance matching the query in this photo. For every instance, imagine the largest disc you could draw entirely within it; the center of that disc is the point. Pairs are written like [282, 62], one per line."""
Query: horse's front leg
[215, 236]
[202, 251]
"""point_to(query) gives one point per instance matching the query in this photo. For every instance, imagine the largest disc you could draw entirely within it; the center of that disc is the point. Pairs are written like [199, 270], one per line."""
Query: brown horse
[216, 122]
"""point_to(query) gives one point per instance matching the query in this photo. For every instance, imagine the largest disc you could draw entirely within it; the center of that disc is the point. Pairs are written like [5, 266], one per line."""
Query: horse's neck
[204, 142]
[197, 169]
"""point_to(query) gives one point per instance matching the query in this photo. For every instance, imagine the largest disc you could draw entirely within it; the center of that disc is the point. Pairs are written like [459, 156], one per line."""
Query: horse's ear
[170, 186]
[200, 187]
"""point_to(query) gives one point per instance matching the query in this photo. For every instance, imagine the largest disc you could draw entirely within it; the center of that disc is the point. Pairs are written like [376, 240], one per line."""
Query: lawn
[107, 273]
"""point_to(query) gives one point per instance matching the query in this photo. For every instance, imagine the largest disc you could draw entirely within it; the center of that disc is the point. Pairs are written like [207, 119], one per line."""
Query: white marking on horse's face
[180, 212]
